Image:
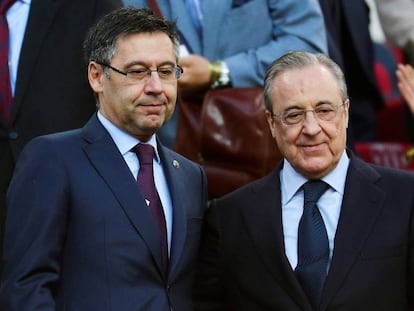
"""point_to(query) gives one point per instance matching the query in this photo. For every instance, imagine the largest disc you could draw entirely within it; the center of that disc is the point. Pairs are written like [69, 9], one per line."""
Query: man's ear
[270, 122]
[346, 107]
[95, 76]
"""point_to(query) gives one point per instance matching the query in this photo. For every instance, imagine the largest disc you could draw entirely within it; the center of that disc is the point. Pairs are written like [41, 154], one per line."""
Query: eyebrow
[320, 103]
[146, 65]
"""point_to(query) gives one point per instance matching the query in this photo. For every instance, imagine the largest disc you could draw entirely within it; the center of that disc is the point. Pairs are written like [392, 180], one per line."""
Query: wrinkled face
[138, 108]
[313, 147]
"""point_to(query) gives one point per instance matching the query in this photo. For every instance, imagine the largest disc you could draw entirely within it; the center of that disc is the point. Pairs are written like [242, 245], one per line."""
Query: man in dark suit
[351, 47]
[271, 245]
[80, 233]
[51, 89]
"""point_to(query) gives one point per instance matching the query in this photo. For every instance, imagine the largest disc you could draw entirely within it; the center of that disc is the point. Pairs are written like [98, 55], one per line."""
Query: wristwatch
[219, 74]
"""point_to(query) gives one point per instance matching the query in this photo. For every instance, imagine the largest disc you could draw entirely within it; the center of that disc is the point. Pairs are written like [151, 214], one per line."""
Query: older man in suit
[240, 38]
[47, 75]
[105, 217]
[324, 231]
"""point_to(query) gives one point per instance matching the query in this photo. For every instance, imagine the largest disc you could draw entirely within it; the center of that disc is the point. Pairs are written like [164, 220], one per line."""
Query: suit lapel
[41, 16]
[175, 175]
[361, 205]
[264, 223]
[105, 157]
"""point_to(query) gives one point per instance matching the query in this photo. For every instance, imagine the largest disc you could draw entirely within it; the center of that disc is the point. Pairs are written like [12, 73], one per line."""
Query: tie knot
[145, 153]
[313, 190]
[5, 5]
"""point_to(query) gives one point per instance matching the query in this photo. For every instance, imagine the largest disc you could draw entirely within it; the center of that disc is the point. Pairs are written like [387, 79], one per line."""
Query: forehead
[145, 47]
[305, 87]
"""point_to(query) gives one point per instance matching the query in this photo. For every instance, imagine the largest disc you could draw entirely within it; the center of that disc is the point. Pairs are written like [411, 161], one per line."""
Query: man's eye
[138, 72]
[294, 115]
[165, 72]
[324, 110]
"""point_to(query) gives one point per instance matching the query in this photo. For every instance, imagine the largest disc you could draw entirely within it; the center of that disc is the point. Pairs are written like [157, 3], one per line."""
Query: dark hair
[100, 43]
[298, 60]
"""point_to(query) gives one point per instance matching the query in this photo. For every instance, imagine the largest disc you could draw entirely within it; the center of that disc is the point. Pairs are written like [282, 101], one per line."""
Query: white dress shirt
[17, 16]
[329, 205]
[125, 143]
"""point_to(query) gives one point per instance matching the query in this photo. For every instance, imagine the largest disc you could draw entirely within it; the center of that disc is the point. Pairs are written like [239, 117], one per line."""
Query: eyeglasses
[142, 74]
[323, 112]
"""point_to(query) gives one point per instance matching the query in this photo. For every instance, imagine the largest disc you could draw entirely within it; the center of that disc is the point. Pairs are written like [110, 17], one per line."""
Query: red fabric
[5, 88]
[145, 179]
[395, 155]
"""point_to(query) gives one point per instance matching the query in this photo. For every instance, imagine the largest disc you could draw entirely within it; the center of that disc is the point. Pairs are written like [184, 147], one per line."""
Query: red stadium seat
[396, 155]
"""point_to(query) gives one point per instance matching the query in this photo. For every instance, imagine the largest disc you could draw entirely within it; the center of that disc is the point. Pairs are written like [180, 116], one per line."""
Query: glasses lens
[293, 117]
[169, 73]
[324, 112]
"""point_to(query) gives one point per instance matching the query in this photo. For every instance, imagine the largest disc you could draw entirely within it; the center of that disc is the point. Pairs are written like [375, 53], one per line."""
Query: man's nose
[153, 82]
[310, 123]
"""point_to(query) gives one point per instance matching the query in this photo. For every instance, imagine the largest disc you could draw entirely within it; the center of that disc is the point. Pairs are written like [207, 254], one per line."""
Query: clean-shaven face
[139, 108]
[313, 147]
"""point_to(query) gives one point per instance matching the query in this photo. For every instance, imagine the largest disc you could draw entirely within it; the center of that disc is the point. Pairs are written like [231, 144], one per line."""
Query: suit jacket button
[13, 135]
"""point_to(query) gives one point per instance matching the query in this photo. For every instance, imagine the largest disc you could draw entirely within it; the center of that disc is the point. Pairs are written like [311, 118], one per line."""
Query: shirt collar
[124, 141]
[292, 181]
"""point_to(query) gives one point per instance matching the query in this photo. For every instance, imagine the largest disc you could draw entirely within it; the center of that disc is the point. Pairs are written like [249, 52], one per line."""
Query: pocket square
[237, 3]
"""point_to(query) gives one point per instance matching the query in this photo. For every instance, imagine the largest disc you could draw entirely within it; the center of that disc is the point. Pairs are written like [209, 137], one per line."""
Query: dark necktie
[5, 88]
[145, 153]
[313, 245]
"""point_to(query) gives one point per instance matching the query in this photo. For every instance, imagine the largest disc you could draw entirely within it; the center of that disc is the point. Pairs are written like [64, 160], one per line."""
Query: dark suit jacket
[52, 91]
[243, 265]
[351, 47]
[79, 236]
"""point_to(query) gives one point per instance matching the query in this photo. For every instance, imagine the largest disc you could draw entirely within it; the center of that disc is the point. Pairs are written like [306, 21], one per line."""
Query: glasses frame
[281, 115]
[178, 72]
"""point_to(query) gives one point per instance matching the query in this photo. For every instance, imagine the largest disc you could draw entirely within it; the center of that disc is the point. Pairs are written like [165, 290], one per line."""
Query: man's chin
[313, 168]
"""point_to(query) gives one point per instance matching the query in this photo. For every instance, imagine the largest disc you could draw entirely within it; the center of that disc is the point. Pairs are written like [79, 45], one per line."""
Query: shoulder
[382, 176]
[44, 149]
[391, 175]
[59, 139]
[252, 193]
[171, 155]
[185, 166]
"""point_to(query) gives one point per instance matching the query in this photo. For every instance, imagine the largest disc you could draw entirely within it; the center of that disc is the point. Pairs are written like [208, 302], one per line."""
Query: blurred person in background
[44, 80]
[405, 76]
[351, 47]
[397, 21]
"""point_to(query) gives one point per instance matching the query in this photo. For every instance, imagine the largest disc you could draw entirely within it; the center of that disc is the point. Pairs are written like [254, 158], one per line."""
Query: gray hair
[298, 60]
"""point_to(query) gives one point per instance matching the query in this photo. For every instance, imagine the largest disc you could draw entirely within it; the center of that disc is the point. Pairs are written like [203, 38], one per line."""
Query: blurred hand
[405, 75]
[196, 76]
